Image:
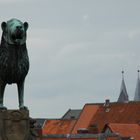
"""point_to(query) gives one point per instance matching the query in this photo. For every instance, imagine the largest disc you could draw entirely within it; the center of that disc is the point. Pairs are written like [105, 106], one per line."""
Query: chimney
[107, 101]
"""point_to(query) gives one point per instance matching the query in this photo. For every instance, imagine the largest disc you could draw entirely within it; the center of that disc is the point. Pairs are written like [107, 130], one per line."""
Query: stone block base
[16, 125]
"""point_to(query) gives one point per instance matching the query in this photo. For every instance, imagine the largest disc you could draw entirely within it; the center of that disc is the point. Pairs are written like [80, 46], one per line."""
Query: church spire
[123, 97]
[137, 91]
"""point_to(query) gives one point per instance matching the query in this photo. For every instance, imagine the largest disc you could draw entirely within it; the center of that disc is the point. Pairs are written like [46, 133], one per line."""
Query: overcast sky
[77, 49]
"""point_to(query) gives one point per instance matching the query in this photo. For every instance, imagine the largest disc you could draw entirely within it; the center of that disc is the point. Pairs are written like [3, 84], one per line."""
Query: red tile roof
[85, 117]
[126, 130]
[58, 126]
[116, 113]
[99, 115]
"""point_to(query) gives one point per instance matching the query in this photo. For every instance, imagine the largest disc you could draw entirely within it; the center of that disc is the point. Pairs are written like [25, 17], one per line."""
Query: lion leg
[2, 88]
[21, 95]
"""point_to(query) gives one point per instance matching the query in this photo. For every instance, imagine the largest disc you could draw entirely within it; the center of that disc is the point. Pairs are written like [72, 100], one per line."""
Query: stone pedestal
[16, 125]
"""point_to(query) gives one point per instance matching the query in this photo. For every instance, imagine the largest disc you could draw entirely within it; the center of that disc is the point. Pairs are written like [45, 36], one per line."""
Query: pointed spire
[123, 97]
[137, 91]
[122, 75]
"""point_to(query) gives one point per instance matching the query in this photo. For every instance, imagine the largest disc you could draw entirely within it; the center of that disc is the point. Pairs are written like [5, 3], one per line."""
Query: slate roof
[81, 137]
[123, 97]
[125, 130]
[72, 114]
[72, 139]
[40, 122]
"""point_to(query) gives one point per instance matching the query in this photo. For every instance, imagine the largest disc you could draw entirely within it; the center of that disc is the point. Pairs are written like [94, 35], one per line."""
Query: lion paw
[23, 108]
[3, 108]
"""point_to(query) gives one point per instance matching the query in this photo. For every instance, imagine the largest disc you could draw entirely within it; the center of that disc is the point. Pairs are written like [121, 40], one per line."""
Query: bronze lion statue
[14, 61]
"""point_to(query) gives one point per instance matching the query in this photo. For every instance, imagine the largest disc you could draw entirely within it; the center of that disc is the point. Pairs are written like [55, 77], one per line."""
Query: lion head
[14, 31]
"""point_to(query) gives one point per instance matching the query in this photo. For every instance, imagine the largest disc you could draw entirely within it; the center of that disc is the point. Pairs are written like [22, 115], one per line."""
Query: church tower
[123, 97]
[137, 91]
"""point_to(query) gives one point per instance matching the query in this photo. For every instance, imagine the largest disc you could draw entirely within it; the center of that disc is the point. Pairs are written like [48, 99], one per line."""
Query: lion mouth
[14, 37]
[17, 38]
[17, 35]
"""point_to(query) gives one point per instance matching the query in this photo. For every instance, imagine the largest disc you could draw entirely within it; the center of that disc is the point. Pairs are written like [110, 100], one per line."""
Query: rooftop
[125, 130]
[58, 126]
